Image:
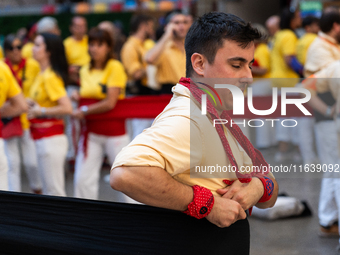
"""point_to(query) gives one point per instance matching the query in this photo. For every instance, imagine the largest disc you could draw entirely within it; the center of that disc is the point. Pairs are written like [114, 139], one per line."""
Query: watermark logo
[238, 100]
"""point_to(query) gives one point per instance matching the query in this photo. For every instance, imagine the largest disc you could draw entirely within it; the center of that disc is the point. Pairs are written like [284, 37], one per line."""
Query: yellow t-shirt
[47, 88]
[149, 44]
[171, 65]
[8, 85]
[302, 46]
[1, 53]
[77, 51]
[262, 56]
[284, 45]
[28, 75]
[27, 50]
[132, 56]
[94, 83]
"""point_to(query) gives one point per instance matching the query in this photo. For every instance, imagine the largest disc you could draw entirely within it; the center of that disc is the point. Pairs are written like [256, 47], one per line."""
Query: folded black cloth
[34, 224]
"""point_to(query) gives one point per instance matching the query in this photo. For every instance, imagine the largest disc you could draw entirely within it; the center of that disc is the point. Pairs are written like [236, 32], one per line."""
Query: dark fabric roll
[33, 224]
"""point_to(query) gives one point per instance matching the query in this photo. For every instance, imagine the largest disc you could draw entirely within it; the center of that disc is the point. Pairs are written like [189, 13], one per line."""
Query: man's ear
[198, 63]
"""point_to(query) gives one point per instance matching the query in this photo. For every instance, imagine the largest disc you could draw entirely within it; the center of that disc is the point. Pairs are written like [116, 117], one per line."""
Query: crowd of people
[50, 88]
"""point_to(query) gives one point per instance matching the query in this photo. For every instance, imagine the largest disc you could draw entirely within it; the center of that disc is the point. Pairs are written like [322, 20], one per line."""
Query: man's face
[314, 28]
[78, 27]
[180, 22]
[234, 63]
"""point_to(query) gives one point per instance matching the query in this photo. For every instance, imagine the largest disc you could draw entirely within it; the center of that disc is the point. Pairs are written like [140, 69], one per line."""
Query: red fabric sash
[1, 125]
[254, 154]
[41, 128]
[102, 123]
[11, 129]
[16, 73]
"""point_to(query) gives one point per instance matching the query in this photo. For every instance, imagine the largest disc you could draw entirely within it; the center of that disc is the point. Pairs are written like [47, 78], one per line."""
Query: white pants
[287, 134]
[327, 147]
[87, 169]
[51, 152]
[306, 139]
[3, 167]
[25, 146]
[138, 125]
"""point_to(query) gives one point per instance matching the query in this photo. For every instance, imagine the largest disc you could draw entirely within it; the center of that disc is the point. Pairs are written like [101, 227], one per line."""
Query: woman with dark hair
[48, 104]
[102, 84]
[24, 71]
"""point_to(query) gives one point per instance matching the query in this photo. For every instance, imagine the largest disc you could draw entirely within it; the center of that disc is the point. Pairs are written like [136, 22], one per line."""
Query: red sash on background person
[41, 128]
[15, 73]
[254, 154]
[103, 124]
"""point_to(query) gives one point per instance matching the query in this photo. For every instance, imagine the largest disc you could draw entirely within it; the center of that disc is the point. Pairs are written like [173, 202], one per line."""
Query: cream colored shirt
[323, 51]
[181, 139]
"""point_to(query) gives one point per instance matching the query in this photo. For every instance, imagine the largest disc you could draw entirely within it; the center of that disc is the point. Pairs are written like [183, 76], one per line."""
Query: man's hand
[247, 194]
[225, 212]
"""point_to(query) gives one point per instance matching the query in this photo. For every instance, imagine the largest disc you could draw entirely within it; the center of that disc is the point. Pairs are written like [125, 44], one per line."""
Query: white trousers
[3, 167]
[287, 134]
[306, 139]
[327, 147]
[24, 146]
[138, 125]
[87, 169]
[51, 152]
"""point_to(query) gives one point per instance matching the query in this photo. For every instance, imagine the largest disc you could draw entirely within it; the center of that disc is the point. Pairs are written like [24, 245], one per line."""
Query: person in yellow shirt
[284, 64]
[133, 52]
[132, 56]
[12, 104]
[169, 54]
[261, 66]
[311, 27]
[27, 49]
[24, 71]
[306, 124]
[102, 85]
[1, 53]
[76, 47]
[48, 103]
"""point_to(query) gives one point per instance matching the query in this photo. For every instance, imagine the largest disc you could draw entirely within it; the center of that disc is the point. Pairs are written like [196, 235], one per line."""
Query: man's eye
[236, 66]
[250, 67]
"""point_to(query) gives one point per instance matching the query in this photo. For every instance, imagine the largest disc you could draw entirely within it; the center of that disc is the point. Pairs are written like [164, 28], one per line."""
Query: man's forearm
[152, 186]
[13, 107]
[153, 55]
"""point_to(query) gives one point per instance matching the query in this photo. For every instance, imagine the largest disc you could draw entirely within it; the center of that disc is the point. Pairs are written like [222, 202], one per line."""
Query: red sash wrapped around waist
[103, 123]
[1, 128]
[41, 128]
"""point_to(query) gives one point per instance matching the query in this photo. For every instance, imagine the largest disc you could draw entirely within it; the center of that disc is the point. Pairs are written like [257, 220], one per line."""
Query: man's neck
[179, 43]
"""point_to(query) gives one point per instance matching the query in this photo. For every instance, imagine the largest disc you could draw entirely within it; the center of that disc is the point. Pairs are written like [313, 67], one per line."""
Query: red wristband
[202, 203]
[268, 188]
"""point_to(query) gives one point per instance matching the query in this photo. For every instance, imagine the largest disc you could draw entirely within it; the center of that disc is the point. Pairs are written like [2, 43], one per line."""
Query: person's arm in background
[64, 107]
[14, 106]
[153, 55]
[131, 62]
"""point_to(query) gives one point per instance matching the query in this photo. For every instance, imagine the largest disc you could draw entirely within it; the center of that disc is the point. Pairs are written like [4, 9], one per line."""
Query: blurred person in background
[272, 25]
[48, 103]
[12, 104]
[306, 124]
[27, 49]
[48, 25]
[132, 56]
[323, 52]
[102, 84]
[76, 49]
[24, 71]
[169, 54]
[265, 136]
[285, 65]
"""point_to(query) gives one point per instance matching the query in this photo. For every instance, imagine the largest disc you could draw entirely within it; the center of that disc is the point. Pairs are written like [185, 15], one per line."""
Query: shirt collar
[327, 37]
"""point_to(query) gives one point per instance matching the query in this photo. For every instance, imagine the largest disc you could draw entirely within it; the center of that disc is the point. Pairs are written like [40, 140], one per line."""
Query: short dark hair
[286, 18]
[102, 36]
[55, 46]
[138, 20]
[309, 20]
[209, 32]
[328, 19]
[9, 39]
